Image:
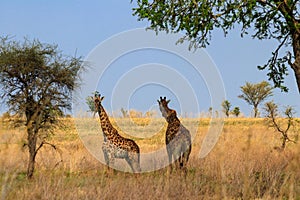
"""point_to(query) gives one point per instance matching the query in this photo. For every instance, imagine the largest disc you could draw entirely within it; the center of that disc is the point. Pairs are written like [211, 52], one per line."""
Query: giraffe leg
[106, 157]
[169, 151]
[186, 155]
[177, 153]
[185, 158]
[111, 162]
[109, 158]
[181, 156]
[137, 163]
[133, 160]
[178, 163]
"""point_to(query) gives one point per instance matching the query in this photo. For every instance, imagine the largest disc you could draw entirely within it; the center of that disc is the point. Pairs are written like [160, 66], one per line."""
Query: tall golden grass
[243, 165]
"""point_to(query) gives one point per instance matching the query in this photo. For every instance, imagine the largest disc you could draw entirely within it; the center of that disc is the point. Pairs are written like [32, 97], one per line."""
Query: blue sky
[79, 26]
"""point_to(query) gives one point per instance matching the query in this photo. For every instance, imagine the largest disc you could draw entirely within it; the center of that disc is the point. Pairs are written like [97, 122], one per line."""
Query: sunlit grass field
[244, 164]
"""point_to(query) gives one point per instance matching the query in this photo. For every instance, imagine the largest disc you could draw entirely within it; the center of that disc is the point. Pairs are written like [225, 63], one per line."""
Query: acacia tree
[226, 107]
[255, 93]
[267, 19]
[36, 82]
[272, 115]
[236, 111]
[124, 113]
[91, 104]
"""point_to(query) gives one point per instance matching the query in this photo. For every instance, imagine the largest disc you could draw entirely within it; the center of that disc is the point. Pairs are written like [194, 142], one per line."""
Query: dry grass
[243, 165]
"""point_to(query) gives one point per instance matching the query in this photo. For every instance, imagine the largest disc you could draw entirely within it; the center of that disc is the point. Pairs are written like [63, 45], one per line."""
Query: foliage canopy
[226, 105]
[265, 19]
[255, 93]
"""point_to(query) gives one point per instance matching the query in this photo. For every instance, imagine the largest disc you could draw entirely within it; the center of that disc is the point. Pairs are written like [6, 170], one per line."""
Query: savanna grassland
[244, 164]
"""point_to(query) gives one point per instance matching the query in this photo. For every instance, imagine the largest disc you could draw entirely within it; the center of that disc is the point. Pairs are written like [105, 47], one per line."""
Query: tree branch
[53, 146]
[279, 47]
[42, 144]
[275, 124]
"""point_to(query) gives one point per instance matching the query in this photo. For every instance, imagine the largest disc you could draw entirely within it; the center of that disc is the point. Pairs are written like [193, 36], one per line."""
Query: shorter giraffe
[178, 138]
[114, 145]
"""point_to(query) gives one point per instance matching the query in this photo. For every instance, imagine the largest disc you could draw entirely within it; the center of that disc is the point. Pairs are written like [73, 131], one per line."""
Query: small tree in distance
[226, 105]
[236, 111]
[90, 102]
[36, 83]
[272, 115]
[124, 113]
[210, 111]
[255, 93]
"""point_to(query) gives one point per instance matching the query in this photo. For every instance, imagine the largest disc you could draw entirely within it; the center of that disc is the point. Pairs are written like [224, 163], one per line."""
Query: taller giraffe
[178, 138]
[114, 145]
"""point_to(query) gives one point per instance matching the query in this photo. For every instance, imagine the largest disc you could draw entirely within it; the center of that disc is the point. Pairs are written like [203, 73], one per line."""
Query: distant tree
[278, 20]
[216, 114]
[226, 107]
[255, 93]
[36, 81]
[210, 111]
[236, 111]
[124, 113]
[149, 114]
[272, 115]
[135, 114]
[90, 102]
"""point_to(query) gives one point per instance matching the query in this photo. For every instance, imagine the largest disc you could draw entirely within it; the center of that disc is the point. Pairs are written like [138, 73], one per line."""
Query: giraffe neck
[106, 126]
[171, 116]
[172, 119]
[173, 126]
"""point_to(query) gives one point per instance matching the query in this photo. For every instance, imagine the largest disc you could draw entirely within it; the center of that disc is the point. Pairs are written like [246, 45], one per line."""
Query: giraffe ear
[168, 101]
[102, 98]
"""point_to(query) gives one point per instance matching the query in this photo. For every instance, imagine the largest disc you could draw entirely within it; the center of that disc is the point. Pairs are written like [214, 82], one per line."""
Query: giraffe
[114, 145]
[178, 138]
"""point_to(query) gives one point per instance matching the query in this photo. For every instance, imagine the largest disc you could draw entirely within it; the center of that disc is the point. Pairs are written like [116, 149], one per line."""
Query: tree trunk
[255, 111]
[32, 139]
[297, 75]
[296, 65]
[284, 139]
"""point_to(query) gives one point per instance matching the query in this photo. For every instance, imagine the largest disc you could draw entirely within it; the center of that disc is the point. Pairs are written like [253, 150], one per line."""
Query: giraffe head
[163, 107]
[97, 100]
